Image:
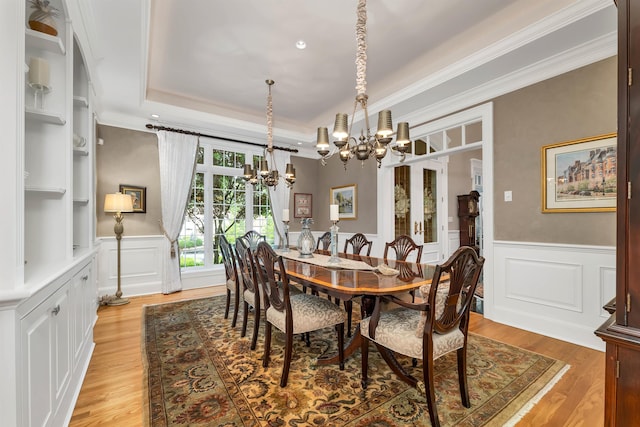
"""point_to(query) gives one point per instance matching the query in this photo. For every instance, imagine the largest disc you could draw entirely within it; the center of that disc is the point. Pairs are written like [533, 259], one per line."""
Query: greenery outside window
[219, 202]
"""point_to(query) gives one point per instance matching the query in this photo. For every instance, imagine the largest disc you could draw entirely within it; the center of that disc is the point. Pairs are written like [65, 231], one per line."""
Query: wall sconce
[118, 203]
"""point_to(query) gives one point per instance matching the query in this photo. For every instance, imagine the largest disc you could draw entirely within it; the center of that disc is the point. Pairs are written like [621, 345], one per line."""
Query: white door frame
[483, 112]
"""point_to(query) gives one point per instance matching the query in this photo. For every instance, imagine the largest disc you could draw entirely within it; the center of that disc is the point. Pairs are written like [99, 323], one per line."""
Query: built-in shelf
[80, 201]
[45, 116]
[80, 152]
[37, 189]
[80, 101]
[38, 40]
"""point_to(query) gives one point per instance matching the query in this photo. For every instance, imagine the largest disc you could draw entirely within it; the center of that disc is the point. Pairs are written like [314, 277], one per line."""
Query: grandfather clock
[467, 213]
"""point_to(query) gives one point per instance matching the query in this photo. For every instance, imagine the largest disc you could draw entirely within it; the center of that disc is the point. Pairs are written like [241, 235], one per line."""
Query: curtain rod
[188, 132]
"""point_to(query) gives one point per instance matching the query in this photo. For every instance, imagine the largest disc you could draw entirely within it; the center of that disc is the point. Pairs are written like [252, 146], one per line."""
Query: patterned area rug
[200, 372]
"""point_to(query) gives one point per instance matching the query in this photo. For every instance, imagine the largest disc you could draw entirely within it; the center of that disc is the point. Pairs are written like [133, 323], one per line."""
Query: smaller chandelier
[269, 177]
[366, 145]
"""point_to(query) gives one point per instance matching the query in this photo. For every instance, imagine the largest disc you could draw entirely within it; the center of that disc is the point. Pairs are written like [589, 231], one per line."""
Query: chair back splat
[232, 279]
[252, 238]
[325, 241]
[403, 246]
[358, 242]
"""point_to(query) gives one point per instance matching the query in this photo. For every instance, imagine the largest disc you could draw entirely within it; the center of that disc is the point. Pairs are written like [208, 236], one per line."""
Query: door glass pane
[228, 210]
[430, 207]
[191, 238]
[402, 192]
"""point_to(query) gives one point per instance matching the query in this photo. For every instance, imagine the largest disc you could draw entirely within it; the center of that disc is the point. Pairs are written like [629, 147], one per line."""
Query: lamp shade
[118, 202]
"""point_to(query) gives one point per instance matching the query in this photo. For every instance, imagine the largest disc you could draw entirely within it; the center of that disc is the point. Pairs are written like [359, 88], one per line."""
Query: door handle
[415, 227]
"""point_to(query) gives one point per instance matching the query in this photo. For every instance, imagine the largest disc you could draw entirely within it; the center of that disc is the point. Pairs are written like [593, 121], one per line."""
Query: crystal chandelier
[367, 145]
[269, 177]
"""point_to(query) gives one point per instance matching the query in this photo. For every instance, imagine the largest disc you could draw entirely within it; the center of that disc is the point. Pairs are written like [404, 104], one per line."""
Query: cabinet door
[47, 358]
[628, 384]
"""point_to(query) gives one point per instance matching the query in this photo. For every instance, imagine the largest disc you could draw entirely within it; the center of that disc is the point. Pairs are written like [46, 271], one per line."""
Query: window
[218, 205]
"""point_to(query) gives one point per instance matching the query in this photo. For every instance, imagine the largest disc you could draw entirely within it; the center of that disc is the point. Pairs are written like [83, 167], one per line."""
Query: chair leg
[288, 350]
[427, 367]
[348, 307]
[267, 344]
[364, 352]
[236, 305]
[340, 332]
[462, 376]
[307, 339]
[245, 316]
[256, 328]
[226, 307]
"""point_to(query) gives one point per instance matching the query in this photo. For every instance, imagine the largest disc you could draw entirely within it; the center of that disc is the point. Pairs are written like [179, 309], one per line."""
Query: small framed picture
[580, 175]
[139, 196]
[346, 199]
[302, 205]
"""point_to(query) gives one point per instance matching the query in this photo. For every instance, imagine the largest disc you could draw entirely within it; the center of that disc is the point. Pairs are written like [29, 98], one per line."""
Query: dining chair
[428, 329]
[403, 246]
[251, 290]
[325, 240]
[232, 279]
[252, 238]
[358, 241]
[292, 313]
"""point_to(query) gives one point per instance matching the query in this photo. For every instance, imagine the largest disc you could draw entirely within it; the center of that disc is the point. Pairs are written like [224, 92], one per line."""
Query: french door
[419, 206]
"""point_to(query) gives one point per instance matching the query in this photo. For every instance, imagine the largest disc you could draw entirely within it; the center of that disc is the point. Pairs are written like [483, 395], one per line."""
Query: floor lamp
[118, 203]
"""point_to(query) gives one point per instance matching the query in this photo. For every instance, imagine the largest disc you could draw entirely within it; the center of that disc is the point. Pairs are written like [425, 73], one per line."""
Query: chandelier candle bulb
[334, 214]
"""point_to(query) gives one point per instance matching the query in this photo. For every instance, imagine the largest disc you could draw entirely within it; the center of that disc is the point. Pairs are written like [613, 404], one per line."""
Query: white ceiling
[202, 64]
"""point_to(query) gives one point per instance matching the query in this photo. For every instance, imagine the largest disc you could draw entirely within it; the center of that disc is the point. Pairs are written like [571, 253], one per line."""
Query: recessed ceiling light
[155, 116]
[299, 143]
[300, 44]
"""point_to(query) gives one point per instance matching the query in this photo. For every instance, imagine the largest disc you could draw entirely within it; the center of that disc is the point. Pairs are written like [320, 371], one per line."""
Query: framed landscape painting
[580, 175]
[139, 196]
[346, 199]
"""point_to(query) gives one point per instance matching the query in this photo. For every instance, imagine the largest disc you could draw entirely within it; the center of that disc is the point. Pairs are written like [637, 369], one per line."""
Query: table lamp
[118, 203]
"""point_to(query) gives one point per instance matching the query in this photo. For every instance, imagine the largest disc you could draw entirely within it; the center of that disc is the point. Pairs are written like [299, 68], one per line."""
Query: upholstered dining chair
[251, 290]
[292, 314]
[429, 329]
[403, 246]
[358, 242]
[324, 241]
[252, 238]
[231, 273]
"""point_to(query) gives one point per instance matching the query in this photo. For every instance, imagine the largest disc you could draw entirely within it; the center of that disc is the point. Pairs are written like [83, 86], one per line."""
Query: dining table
[355, 276]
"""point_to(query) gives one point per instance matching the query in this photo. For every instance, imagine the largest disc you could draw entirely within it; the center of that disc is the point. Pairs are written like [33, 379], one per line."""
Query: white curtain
[280, 196]
[177, 153]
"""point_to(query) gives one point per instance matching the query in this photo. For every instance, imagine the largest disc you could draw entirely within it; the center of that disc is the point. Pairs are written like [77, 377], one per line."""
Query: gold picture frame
[346, 197]
[139, 196]
[580, 175]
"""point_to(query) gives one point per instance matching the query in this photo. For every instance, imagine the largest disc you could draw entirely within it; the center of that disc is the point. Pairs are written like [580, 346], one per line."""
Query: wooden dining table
[345, 283]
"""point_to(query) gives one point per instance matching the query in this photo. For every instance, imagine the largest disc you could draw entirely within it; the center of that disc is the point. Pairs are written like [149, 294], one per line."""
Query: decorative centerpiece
[306, 242]
[42, 19]
[334, 216]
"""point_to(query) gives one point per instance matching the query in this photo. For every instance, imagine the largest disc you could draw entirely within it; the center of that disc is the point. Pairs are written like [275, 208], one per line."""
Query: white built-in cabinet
[56, 310]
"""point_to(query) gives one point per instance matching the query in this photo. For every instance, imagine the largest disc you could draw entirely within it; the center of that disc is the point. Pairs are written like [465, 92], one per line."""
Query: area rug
[200, 372]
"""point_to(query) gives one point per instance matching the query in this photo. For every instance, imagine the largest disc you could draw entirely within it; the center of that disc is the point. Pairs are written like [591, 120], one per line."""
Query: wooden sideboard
[621, 332]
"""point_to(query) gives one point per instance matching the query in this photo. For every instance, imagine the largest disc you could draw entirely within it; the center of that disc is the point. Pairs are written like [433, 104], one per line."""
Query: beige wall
[318, 181]
[575, 105]
[128, 157]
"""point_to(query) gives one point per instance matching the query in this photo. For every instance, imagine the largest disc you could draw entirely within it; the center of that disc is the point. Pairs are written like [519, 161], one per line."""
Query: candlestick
[334, 259]
[286, 232]
[334, 213]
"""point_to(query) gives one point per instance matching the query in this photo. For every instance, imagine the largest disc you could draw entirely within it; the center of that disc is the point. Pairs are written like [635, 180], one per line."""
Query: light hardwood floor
[112, 390]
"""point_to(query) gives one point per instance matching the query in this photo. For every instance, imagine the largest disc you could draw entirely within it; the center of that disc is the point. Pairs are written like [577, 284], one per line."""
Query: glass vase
[306, 242]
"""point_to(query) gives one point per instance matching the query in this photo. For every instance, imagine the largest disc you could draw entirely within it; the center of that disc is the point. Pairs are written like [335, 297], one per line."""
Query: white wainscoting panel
[141, 267]
[552, 289]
